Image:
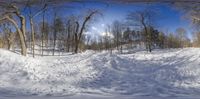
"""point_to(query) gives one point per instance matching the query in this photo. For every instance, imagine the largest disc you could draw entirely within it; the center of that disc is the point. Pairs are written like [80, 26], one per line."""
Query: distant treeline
[20, 30]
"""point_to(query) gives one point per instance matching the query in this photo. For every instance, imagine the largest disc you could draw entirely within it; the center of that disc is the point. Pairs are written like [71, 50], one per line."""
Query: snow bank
[173, 72]
[43, 75]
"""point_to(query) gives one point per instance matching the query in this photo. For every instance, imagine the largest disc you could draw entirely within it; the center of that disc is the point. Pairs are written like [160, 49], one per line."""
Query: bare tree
[31, 17]
[58, 27]
[144, 19]
[80, 28]
[71, 28]
[44, 31]
[9, 35]
[117, 31]
[181, 35]
[192, 8]
[88, 38]
[10, 11]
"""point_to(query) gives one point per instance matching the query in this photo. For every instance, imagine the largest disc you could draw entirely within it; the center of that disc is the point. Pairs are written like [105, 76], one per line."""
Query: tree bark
[78, 35]
[43, 32]
[76, 38]
[21, 35]
[23, 27]
[22, 22]
[32, 36]
[68, 36]
[147, 41]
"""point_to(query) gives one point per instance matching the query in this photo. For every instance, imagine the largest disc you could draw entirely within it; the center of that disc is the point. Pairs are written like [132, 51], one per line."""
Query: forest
[67, 33]
[99, 49]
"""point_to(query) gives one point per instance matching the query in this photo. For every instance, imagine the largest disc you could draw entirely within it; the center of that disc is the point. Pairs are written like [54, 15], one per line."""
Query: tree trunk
[54, 42]
[9, 44]
[10, 40]
[117, 41]
[76, 38]
[23, 27]
[79, 34]
[68, 36]
[54, 34]
[149, 47]
[32, 36]
[42, 34]
[21, 36]
[146, 35]
[76, 43]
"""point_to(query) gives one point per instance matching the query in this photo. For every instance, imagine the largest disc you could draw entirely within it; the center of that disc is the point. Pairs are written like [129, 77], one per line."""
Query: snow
[169, 73]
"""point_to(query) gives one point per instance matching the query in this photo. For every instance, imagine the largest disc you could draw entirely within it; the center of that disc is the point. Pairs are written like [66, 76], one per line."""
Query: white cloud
[103, 25]
[94, 28]
[107, 34]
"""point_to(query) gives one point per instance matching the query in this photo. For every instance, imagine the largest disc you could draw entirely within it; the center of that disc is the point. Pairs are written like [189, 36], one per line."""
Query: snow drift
[173, 72]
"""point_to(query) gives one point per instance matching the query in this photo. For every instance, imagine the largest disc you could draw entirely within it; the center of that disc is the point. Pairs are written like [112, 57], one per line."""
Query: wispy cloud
[94, 28]
[103, 25]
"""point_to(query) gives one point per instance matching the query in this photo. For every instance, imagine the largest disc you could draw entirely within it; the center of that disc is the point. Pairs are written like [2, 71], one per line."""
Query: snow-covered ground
[172, 73]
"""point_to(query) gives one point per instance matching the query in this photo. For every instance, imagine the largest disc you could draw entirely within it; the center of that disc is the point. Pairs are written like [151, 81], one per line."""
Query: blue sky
[169, 18]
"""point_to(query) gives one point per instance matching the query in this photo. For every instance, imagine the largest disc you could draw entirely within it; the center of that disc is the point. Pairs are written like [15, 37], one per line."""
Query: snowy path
[162, 73]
